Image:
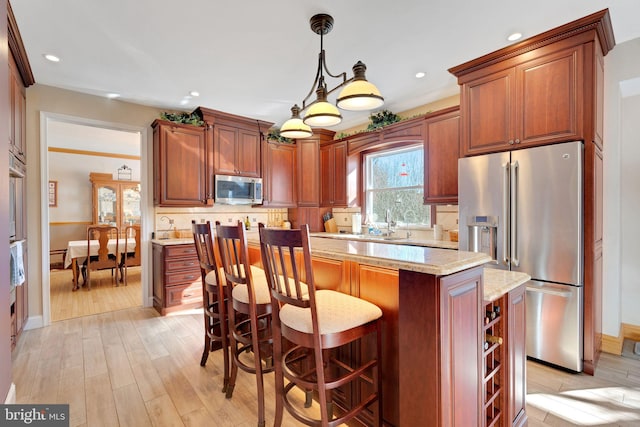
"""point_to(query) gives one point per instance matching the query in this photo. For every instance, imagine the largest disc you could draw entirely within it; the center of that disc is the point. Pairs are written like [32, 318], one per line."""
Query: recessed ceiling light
[515, 36]
[420, 75]
[185, 101]
[194, 93]
[113, 95]
[51, 58]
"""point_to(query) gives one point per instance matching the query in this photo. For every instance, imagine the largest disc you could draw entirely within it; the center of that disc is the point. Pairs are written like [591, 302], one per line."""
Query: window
[395, 183]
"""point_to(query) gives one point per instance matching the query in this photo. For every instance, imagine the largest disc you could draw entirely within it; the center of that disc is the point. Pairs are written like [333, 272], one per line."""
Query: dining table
[77, 249]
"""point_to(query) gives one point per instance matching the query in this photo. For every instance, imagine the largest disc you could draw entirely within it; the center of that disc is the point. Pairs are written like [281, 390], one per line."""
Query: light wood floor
[103, 297]
[135, 368]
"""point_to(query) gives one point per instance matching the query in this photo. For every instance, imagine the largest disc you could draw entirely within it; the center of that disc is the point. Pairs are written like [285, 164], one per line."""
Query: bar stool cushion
[337, 312]
[263, 292]
[211, 279]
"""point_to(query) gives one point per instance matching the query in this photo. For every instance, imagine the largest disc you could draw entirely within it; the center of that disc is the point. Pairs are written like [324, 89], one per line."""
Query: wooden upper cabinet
[549, 97]
[441, 152]
[535, 102]
[180, 176]
[333, 171]
[236, 151]
[17, 124]
[279, 172]
[20, 77]
[236, 143]
[309, 174]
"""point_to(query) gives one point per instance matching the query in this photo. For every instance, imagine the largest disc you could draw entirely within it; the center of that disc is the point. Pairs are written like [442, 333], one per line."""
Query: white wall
[630, 207]
[622, 67]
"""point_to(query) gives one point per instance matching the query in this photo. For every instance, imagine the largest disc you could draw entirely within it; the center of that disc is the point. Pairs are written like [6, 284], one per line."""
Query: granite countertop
[413, 258]
[499, 282]
[169, 242]
[378, 252]
[434, 261]
[396, 239]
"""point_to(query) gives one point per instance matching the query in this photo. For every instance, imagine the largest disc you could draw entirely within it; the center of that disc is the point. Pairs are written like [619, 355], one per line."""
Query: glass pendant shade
[294, 128]
[360, 95]
[322, 113]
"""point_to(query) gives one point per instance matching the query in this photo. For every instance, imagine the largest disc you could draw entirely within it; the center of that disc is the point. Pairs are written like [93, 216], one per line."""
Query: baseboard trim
[11, 395]
[631, 331]
[33, 322]
[613, 345]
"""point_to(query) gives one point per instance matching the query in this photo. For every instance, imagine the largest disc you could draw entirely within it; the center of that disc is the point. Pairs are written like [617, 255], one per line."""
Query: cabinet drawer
[185, 294]
[173, 265]
[183, 277]
[180, 251]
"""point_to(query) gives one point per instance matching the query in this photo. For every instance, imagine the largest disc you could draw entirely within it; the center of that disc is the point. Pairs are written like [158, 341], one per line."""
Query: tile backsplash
[182, 217]
[447, 216]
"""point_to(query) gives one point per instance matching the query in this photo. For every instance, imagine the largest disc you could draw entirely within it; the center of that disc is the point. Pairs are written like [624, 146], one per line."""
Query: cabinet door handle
[517, 141]
[511, 142]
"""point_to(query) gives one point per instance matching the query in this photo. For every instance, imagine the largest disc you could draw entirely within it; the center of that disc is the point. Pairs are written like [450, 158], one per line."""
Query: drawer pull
[186, 295]
[189, 277]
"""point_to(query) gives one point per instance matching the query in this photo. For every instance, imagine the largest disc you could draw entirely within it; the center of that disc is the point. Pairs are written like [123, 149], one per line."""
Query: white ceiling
[257, 58]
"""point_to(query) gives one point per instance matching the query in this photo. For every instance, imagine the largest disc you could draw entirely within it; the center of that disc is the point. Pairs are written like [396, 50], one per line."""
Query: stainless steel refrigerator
[524, 208]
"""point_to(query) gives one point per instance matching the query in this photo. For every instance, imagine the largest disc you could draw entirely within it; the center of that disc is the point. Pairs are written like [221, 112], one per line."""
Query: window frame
[364, 162]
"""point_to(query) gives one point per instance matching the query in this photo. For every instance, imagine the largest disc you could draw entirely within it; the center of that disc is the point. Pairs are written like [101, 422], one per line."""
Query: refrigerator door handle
[505, 213]
[549, 292]
[514, 213]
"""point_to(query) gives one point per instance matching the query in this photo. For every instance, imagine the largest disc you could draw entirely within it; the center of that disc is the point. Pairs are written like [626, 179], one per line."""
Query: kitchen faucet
[166, 232]
[390, 222]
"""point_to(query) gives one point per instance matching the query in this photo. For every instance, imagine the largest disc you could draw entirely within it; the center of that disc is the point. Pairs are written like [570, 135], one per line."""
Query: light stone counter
[169, 242]
[413, 258]
[396, 239]
[499, 282]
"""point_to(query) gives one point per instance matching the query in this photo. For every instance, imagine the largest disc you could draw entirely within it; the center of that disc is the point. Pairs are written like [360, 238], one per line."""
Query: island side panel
[440, 354]
[418, 349]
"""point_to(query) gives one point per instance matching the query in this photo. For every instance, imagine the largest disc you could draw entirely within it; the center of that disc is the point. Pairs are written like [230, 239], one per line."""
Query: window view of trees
[394, 182]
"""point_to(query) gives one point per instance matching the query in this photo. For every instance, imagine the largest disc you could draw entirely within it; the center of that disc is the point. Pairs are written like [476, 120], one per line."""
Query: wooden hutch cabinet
[543, 90]
[115, 202]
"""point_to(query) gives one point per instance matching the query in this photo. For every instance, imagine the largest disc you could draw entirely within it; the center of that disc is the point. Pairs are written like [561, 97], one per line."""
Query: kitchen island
[433, 304]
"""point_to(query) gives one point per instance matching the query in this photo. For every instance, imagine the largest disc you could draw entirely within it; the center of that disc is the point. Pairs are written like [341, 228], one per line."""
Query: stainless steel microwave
[238, 190]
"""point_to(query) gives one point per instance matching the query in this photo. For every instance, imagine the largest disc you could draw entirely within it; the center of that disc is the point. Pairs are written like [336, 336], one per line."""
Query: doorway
[71, 149]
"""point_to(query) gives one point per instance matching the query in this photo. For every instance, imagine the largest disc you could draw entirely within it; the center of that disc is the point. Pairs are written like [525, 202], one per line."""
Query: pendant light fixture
[357, 93]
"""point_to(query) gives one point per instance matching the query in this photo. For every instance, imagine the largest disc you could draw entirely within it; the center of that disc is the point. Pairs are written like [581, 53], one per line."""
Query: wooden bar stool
[213, 298]
[249, 310]
[314, 324]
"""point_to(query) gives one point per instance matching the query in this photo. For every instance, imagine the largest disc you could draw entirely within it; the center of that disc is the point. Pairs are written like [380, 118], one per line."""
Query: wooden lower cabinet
[431, 341]
[517, 350]
[177, 282]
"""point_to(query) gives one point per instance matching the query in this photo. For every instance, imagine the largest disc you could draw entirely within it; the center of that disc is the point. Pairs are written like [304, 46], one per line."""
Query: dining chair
[314, 325]
[249, 311]
[131, 257]
[104, 260]
[214, 298]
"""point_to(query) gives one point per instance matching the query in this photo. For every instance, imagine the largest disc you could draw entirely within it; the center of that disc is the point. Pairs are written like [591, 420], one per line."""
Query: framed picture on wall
[53, 194]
